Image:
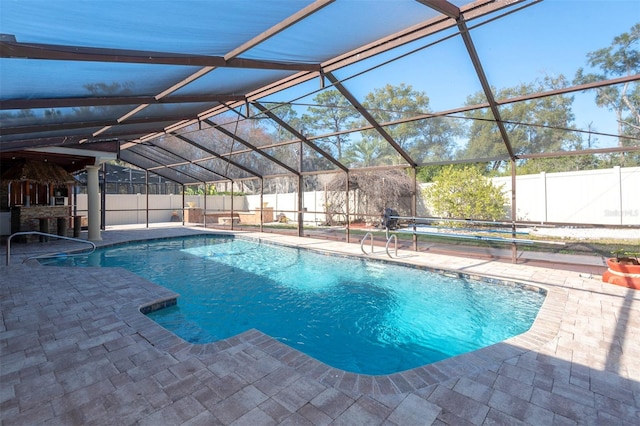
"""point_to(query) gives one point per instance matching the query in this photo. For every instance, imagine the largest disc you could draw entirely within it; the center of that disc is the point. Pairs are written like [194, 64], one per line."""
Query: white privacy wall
[605, 197]
[124, 209]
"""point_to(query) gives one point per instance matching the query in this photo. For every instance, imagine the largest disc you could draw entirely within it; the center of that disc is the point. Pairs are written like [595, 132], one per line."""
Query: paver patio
[75, 349]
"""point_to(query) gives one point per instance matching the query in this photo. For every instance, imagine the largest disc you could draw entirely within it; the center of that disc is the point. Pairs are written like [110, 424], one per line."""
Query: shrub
[464, 193]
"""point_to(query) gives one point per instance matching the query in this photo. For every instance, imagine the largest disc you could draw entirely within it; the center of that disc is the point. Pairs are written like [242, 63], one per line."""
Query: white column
[93, 203]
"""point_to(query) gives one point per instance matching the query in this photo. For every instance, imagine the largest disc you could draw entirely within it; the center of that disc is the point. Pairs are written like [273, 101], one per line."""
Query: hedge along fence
[600, 197]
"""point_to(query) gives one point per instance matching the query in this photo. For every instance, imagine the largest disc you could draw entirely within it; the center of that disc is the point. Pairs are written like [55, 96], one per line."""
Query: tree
[373, 191]
[621, 58]
[368, 152]
[465, 194]
[430, 139]
[286, 113]
[556, 164]
[193, 190]
[332, 114]
[426, 174]
[533, 126]
[106, 90]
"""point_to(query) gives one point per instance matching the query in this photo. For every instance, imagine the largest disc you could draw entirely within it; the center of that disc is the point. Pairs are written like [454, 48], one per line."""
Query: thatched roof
[37, 172]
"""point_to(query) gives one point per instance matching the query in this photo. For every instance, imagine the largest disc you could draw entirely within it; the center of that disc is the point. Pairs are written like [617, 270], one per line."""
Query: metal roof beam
[409, 35]
[486, 87]
[187, 161]
[296, 17]
[155, 169]
[300, 136]
[113, 100]
[16, 130]
[367, 116]
[217, 155]
[18, 145]
[592, 151]
[442, 6]
[251, 147]
[56, 52]
[505, 101]
[424, 29]
[281, 26]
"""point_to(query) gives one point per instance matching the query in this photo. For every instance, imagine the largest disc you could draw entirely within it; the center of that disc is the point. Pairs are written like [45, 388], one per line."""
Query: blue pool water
[361, 316]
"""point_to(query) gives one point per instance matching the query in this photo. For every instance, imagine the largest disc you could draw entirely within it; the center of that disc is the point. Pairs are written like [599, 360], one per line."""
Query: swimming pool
[362, 316]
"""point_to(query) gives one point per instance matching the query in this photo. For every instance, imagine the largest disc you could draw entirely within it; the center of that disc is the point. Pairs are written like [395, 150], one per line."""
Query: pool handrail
[416, 219]
[368, 234]
[395, 238]
[514, 240]
[44, 234]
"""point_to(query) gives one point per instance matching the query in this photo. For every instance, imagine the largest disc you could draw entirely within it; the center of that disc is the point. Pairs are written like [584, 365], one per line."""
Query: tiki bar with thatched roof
[38, 196]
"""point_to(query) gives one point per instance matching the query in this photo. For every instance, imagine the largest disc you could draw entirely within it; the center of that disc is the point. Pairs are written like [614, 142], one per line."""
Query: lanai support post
[103, 198]
[300, 195]
[300, 202]
[514, 210]
[146, 207]
[93, 201]
[204, 209]
[347, 207]
[414, 205]
[261, 204]
[232, 205]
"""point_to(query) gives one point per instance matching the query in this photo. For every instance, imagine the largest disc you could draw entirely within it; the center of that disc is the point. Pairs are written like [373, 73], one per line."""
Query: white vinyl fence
[605, 197]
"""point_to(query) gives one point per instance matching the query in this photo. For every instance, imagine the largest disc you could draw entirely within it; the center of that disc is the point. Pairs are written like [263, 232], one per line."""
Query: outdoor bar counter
[49, 219]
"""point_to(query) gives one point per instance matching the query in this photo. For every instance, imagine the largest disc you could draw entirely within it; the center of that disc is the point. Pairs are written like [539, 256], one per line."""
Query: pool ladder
[44, 256]
[368, 234]
[389, 238]
[386, 247]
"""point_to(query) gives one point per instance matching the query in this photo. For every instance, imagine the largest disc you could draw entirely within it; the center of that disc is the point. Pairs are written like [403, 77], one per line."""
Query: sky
[552, 37]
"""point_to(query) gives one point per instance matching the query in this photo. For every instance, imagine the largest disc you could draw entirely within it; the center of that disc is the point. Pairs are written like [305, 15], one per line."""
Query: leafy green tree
[424, 140]
[287, 114]
[211, 190]
[368, 152]
[557, 164]
[332, 114]
[621, 58]
[534, 126]
[464, 193]
[426, 174]
[193, 190]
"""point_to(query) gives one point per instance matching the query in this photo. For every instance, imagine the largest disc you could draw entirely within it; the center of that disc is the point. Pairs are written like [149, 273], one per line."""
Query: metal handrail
[368, 234]
[415, 231]
[392, 237]
[93, 246]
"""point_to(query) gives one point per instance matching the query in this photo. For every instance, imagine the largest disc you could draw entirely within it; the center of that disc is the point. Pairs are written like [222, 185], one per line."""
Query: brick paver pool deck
[75, 350]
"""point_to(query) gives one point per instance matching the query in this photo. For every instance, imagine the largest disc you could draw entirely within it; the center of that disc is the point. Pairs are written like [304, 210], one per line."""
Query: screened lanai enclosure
[355, 100]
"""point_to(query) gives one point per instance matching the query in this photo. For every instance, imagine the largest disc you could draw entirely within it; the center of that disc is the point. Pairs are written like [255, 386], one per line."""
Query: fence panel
[606, 197]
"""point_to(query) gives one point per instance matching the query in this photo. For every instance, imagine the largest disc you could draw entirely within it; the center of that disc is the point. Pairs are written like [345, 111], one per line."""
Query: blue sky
[558, 35]
[549, 38]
